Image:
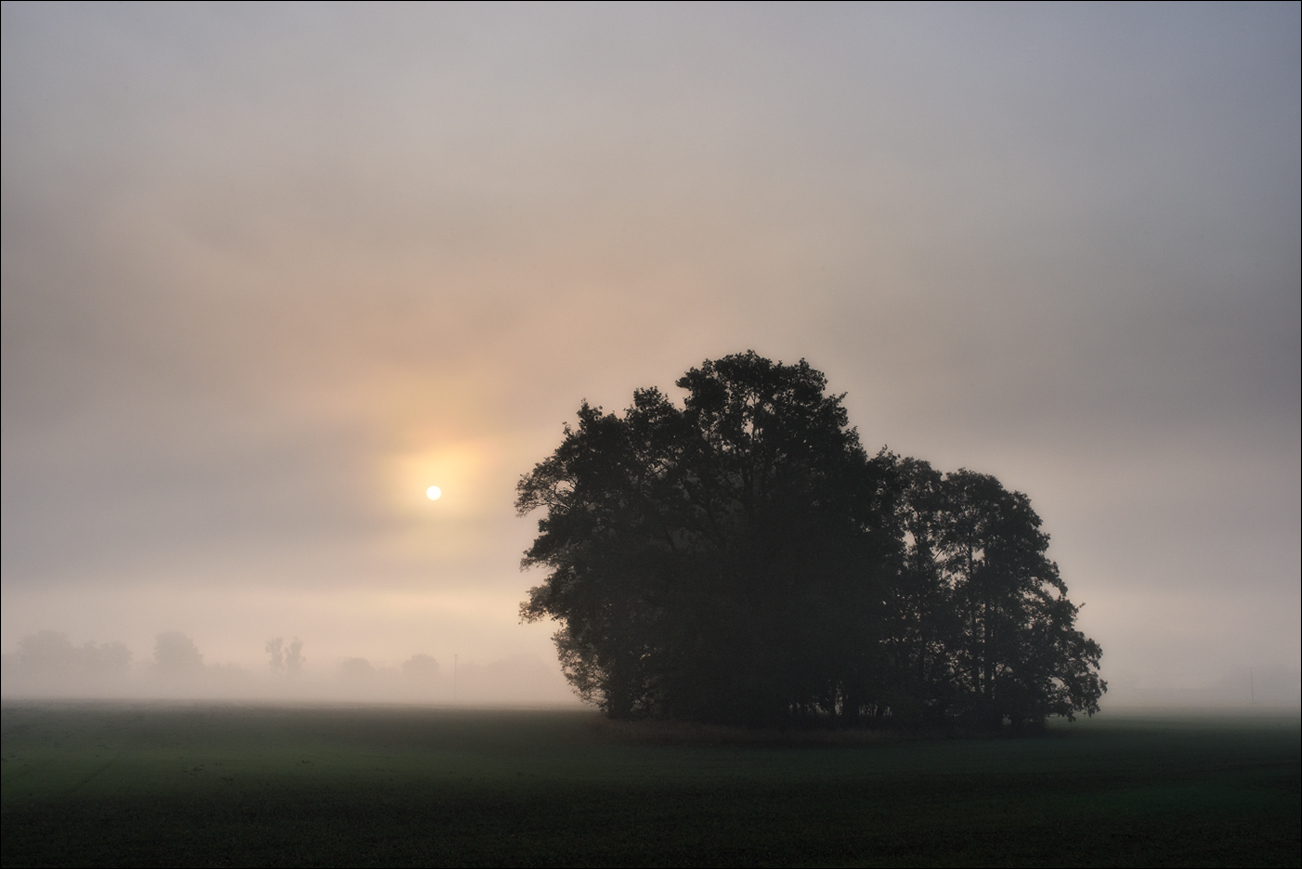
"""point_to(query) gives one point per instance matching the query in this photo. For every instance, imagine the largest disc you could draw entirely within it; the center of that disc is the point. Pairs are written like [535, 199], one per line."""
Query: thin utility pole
[454, 678]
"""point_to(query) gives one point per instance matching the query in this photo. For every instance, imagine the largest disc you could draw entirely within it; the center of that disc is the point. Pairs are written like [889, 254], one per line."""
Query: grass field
[227, 785]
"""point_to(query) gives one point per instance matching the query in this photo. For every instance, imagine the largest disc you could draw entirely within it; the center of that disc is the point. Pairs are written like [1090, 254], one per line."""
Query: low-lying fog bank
[49, 665]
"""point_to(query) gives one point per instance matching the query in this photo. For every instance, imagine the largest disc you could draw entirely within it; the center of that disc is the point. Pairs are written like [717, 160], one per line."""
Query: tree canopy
[741, 559]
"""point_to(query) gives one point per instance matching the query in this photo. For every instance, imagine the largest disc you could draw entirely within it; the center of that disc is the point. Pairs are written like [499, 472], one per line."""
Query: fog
[269, 272]
[48, 665]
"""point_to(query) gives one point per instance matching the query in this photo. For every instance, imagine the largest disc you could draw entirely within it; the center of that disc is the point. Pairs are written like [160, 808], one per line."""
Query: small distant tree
[105, 660]
[50, 660]
[356, 671]
[175, 654]
[46, 654]
[420, 668]
[294, 659]
[275, 648]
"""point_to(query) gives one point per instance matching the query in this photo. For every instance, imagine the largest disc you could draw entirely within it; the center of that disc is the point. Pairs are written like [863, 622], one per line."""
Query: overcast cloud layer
[270, 271]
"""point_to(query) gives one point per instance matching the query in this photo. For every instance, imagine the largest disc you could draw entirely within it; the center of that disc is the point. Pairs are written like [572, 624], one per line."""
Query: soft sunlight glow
[464, 472]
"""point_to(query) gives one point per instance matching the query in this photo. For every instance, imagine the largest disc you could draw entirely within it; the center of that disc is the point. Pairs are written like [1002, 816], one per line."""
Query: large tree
[984, 630]
[741, 559]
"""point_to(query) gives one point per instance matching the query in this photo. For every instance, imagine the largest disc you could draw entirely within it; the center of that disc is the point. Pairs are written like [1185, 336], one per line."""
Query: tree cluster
[741, 559]
[287, 661]
[51, 656]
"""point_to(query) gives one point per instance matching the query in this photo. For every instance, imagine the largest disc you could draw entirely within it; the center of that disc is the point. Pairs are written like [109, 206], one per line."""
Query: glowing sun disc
[433, 493]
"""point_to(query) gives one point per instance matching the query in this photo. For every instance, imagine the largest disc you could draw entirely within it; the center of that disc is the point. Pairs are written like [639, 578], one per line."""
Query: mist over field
[270, 272]
[48, 665]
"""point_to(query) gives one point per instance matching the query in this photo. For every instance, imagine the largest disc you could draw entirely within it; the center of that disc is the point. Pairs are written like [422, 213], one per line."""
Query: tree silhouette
[988, 603]
[51, 657]
[741, 559]
[176, 655]
[294, 659]
[276, 649]
[288, 661]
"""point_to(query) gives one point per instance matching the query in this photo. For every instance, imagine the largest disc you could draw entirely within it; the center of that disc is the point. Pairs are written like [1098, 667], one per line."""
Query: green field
[207, 785]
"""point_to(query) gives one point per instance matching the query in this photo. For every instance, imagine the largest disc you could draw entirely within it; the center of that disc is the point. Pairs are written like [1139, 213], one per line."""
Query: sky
[270, 271]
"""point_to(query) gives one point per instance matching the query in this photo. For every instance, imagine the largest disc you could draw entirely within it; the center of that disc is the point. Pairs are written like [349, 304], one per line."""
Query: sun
[433, 493]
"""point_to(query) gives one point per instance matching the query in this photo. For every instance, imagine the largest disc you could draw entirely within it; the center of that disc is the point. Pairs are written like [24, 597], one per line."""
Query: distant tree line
[49, 662]
[742, 560]
[51, 655]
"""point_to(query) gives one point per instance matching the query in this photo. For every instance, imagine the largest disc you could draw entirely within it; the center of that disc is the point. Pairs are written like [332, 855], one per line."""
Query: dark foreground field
[225, 785]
